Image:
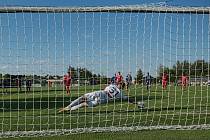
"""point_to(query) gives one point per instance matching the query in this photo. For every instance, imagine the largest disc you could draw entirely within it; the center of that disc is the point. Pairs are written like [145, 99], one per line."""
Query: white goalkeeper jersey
[103, 96]
[114, 91]
[96, 97]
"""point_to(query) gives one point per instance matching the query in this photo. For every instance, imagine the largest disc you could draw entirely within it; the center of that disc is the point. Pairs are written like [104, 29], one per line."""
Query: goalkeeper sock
[76, 107]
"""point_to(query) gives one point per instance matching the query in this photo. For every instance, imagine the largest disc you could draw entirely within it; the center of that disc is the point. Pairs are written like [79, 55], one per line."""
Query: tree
[198, 68]
[139, 76]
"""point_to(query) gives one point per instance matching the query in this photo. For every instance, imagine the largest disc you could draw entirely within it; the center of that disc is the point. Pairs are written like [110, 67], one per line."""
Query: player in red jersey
[119, 78]
[67, 82]
[164, 80]
[184, 81]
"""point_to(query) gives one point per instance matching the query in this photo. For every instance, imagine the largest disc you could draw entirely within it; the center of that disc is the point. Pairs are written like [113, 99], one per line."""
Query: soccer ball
[140, 105]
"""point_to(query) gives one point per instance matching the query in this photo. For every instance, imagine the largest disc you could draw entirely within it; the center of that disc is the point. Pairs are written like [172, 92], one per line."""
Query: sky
[102, 42]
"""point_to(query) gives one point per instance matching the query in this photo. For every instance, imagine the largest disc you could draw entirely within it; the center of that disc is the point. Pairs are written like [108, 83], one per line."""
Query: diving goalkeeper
[92, 99]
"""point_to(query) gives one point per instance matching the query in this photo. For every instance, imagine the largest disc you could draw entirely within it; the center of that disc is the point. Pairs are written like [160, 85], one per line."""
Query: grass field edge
[57, 132]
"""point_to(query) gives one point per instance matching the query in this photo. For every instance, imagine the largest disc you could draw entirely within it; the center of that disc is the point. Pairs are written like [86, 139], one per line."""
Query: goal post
[51, 57]
[134, 9]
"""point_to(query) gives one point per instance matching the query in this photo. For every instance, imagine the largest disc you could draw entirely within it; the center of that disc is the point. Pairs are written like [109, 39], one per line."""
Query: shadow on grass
[9, 105]
[36, 90]
[33, 103]
[120, 111]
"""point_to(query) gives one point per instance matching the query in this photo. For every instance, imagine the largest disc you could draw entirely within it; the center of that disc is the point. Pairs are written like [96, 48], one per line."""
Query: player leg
[67, 89]
[147, 85]
[184, 84]
[127, 85]
[82, 104]
[164, 84]
[75, 104]
[68, 108]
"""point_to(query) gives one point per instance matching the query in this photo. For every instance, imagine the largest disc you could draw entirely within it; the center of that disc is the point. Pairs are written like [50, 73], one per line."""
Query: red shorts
[164, 83]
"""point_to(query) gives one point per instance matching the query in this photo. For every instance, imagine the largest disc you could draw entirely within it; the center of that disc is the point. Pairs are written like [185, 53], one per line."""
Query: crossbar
[120, 9]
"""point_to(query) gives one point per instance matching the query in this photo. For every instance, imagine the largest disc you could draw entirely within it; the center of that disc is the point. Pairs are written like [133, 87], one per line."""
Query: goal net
[67, 70]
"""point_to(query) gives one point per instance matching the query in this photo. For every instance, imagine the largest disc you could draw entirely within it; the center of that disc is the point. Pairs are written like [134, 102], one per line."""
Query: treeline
[85, 74]
[77, 74]
[10, 80]
[198, 68]
[141, 78]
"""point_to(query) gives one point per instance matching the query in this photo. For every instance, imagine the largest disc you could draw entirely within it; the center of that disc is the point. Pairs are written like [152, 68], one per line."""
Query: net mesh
[161, 52]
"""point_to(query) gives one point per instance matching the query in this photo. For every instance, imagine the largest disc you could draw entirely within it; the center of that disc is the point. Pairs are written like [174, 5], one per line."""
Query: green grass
[141, 135]
[38, 110]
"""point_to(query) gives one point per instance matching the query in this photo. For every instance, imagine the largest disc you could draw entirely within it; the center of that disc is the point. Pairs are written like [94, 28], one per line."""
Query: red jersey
[119, 78]
[164, 77]
[184, 79]
[67, 80]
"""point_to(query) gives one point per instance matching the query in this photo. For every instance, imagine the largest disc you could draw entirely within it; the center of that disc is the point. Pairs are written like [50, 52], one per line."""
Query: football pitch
[140, 135]
[38, 109]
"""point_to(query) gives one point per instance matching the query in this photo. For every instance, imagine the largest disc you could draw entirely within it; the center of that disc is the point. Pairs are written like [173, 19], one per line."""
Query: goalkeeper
[92, 99]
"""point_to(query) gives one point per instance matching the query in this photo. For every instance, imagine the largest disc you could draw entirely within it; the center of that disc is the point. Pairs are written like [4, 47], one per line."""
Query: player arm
[109, 95]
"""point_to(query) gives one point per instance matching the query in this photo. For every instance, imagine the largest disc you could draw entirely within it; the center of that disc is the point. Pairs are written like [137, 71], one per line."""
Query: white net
[162, 54]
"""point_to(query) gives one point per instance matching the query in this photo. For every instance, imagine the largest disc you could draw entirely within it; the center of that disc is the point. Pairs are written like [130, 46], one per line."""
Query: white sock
[77, 106]
[67, 108]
